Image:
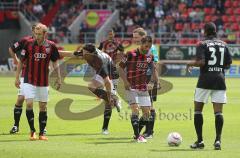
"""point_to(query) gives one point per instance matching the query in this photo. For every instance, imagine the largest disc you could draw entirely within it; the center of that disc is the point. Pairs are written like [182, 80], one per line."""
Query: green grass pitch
[83, 139]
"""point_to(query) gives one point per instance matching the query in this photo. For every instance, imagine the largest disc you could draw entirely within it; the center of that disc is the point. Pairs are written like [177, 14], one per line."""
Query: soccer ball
[174, 139]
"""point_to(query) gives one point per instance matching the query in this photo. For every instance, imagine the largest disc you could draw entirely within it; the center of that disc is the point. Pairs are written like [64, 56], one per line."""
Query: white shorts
[114, 82]
[141, 98]
[36, 93]
[217, 96]
[20, 90]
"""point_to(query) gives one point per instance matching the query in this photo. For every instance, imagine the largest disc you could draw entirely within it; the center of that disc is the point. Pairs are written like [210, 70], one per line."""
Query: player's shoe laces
[197, 145]
[105, 132]
[14, 130]
[33, 136]
[141, 139]
[217, 145]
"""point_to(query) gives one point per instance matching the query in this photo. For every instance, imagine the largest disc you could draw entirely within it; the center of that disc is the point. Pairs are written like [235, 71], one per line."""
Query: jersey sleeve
[17, 46]
[55, 54]
[200, 50]
[24, 53]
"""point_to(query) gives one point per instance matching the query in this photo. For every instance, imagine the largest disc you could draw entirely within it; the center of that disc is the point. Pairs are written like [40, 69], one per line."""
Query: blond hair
[140, 31]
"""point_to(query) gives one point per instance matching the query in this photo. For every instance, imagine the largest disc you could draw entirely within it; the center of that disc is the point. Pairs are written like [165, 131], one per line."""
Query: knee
[20, 100]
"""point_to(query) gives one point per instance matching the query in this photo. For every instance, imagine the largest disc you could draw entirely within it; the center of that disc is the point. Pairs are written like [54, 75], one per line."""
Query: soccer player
[212, 57]
[36, 55]
[14, 51]
[138, 34]
[133, 70]
[104, 67]
[115, 50]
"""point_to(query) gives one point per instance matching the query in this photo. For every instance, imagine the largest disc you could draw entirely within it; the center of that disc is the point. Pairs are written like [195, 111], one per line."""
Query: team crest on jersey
[23, 52]
[47, 50]
[16, 44]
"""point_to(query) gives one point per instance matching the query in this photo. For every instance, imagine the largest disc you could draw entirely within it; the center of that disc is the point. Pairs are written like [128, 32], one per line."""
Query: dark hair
[89, 47]
[146, 39]
[210, 29]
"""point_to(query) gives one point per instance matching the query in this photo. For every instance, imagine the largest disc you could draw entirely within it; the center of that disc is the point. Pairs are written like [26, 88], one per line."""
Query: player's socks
[107, 116]
[218, 125]
[42, 121]
[142, 123]
[135, 125]
[30, 118]
[100, 93]
[198, 123]
[152, 121]
[17, 114]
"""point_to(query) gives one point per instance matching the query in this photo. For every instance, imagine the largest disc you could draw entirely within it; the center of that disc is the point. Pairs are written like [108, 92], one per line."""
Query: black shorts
[153, 93]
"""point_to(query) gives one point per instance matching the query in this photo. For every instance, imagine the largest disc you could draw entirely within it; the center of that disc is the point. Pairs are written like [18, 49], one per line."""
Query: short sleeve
[55, 54]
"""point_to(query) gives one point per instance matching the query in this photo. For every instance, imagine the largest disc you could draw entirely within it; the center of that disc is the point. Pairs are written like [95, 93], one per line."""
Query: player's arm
[19, 69]
[199, 60]
[100, 46]
[123, 74]
[58, 82]
[227, 59]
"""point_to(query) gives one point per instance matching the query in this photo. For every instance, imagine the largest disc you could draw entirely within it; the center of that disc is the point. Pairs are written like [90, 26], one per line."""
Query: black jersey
[216, 55]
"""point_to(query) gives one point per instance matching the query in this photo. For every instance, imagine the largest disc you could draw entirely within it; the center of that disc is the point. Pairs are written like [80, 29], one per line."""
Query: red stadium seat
[207, 11]
[232, 18]
[237, 11]
[183, 41]
[234, 27]
[194, 26]
[208, 18]
[179, 26]
[238, 19]
[235, 4]
[225, 18]
[226, 25]
[229, 11]
[227, 4]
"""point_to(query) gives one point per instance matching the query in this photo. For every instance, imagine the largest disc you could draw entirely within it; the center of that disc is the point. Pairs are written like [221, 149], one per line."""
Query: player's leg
[218, 124]
[30, 93]
[42, 120]
[42, 98]
[17, 114]
[18, 109]
[218, 99]
[200, 98]
[95, 86]
[146, 117]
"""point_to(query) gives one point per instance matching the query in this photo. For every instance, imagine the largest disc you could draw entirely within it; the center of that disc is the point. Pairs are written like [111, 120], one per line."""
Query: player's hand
[78, 53]
[150, 86]
[17, 83]
[127, 86]
[189, 69]
[58, 83]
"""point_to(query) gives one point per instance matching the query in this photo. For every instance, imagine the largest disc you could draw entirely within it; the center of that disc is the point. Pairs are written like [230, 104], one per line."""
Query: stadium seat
[225, 18]
[232, 18]
[235, 4]
[226, 26]
[234, 27]
[207, 11]
[208, 18]
[228, 4]
[229, 11]
[238, 19]
[237, 11]
[194, 26]
[179, 26]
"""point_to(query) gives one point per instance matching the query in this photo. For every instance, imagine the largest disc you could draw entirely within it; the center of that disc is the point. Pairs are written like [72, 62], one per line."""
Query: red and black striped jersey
[136, 66]
[17, 48]
[110, 47]
[36, 58]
